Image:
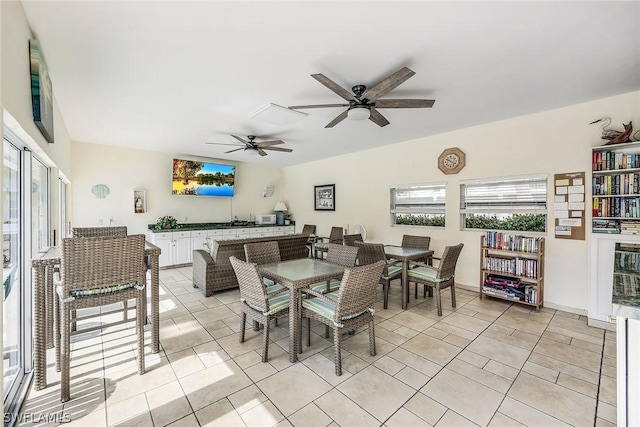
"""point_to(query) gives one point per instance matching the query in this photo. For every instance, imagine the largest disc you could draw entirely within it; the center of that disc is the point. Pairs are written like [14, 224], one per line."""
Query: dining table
[295, 275]
[406, 254]
[43, 265]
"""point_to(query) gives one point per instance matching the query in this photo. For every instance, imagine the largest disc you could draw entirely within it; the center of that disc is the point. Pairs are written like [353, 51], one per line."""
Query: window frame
[503, 205]
[427, 209]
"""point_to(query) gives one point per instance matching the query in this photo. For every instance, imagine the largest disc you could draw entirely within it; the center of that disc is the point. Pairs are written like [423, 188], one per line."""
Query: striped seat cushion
[393, 271]
[272, 286]
[427, 274]
[322, 246]
[321, 287]
[276, 304]
[75, 293]
[328, 310]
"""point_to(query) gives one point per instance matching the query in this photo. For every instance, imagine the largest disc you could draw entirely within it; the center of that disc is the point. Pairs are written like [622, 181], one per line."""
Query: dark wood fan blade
[405, 103]
[261, 151]
[288, 150]
[242, 140]
[333, 86]
[219, 143]
[237, 149]
[272, 142]
[337, 120]
[302, 107]
[378, 118]
[388, 84]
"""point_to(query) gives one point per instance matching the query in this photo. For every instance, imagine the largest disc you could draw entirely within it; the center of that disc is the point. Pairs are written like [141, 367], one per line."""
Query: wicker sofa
[215, 273]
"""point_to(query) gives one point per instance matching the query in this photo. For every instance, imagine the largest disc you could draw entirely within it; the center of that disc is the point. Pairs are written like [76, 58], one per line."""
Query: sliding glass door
[13, 297]
[25, 230]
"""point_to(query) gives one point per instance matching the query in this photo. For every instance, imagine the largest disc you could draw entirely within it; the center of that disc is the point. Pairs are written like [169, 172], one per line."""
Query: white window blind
[504, 196]
[426, 201]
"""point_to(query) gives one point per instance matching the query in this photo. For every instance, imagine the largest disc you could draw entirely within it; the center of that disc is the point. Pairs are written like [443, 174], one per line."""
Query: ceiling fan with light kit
[365, 102]
[251, 144]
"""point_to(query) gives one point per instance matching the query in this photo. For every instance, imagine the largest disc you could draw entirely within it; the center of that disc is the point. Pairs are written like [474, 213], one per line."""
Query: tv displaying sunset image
[192, 178]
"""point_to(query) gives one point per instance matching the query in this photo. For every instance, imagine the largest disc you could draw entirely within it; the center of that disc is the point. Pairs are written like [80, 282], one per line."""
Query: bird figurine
[614, 136]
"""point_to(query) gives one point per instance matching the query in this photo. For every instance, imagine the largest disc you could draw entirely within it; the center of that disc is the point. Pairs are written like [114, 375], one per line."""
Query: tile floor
[488, 362]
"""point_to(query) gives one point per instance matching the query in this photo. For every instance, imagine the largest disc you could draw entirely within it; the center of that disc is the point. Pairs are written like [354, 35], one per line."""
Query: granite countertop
[212, 226]
[626, 300]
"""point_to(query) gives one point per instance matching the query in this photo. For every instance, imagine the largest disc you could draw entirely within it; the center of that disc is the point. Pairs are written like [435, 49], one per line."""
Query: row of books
[530, 294]
[608, 226]
[627, 261]
[629, 286]
[518, 266]
[510, 242]
[610, 160]
[628, 227]
[619, 207]
[611, 185]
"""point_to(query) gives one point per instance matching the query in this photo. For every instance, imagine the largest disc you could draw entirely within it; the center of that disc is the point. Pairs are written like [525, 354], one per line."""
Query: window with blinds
[422, 205]
[515, 203]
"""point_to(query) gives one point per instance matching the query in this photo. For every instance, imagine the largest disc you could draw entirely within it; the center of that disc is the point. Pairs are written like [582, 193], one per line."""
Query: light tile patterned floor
[488, 362]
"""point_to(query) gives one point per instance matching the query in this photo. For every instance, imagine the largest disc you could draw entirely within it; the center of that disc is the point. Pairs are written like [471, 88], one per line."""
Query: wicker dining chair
[438, 278]
[352, 308]
[310, 231]
[418, 242]
[322, 243]
[369, 253]
[99, 231]
[257, 304]
[340, 255]
[96, 272]
[264, 253]
[350, 239]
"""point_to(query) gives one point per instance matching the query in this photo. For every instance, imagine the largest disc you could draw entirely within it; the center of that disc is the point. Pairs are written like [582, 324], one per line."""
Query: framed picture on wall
[325, 197]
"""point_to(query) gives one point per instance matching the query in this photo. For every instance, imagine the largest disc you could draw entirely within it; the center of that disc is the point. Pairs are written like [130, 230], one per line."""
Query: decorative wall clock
[451, 161]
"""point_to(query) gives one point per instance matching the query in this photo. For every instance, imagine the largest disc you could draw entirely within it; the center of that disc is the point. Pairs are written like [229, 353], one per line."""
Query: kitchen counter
[212, 226]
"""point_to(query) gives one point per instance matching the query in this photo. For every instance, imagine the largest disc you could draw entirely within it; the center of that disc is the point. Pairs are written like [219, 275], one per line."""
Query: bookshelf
[615, 188]
[512, 268]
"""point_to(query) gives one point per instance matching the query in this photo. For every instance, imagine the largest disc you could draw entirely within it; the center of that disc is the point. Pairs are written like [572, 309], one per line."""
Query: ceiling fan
[256, 146]
[364, 103]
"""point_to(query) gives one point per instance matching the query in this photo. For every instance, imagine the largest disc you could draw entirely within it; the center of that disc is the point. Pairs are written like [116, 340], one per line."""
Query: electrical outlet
[185, 218]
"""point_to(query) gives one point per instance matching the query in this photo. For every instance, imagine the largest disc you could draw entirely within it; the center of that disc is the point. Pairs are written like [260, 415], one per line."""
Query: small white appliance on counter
[265, 219]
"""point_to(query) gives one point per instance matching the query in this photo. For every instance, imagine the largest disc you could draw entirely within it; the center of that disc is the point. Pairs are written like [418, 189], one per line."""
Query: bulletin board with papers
[568, 205]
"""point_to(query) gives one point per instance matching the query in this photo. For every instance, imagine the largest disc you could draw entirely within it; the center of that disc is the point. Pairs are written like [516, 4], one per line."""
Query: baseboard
[552, 306]
[601, 324]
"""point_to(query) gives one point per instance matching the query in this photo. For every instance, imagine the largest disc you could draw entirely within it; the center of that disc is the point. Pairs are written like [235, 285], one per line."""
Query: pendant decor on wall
[100, 191]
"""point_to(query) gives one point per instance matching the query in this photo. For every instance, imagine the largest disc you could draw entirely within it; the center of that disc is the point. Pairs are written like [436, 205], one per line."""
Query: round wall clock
[451, 161]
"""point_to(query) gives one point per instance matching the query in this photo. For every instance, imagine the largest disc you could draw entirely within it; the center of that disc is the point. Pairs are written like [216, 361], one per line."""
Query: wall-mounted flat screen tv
[191, 178]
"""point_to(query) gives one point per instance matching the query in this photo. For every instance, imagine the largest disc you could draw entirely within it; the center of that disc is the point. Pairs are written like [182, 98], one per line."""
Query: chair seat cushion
[393, 271]
[322, 246]
[276, 304]
[328, 310]
[427, 273]
[321, 287]
[75, 293]
[272, 287]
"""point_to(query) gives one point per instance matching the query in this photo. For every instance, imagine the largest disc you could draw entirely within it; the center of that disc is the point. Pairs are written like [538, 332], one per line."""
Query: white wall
[550, 142]
[124, 170]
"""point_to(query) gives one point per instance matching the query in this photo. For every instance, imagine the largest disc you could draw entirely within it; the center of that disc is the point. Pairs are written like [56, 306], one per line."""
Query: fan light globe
[359, 113]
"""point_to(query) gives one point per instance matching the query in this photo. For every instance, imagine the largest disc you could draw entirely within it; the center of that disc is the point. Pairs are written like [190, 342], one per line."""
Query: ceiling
[170, 76]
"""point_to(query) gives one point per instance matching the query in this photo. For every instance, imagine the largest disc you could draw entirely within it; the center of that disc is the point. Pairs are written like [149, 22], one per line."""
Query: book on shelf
[628, 227]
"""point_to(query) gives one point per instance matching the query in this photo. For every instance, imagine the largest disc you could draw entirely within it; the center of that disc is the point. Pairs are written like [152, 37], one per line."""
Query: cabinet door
[182, 250]
[166, 248]
[198, 243]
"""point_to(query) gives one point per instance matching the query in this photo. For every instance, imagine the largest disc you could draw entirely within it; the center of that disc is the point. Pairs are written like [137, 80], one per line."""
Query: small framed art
[325, 197]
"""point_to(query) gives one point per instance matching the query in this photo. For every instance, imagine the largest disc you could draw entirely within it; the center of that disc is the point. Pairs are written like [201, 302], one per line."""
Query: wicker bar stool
[352, 308]
[96, 272]
[99, 231]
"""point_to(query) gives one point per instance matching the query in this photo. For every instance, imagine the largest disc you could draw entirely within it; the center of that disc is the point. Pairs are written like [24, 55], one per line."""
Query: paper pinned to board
[562, 190]
[560, 182]
[571, 222]
[576, 197]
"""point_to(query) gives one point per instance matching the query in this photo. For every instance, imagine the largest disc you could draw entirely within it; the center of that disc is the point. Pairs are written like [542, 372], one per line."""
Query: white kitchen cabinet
[175, 247]
[198, 239]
